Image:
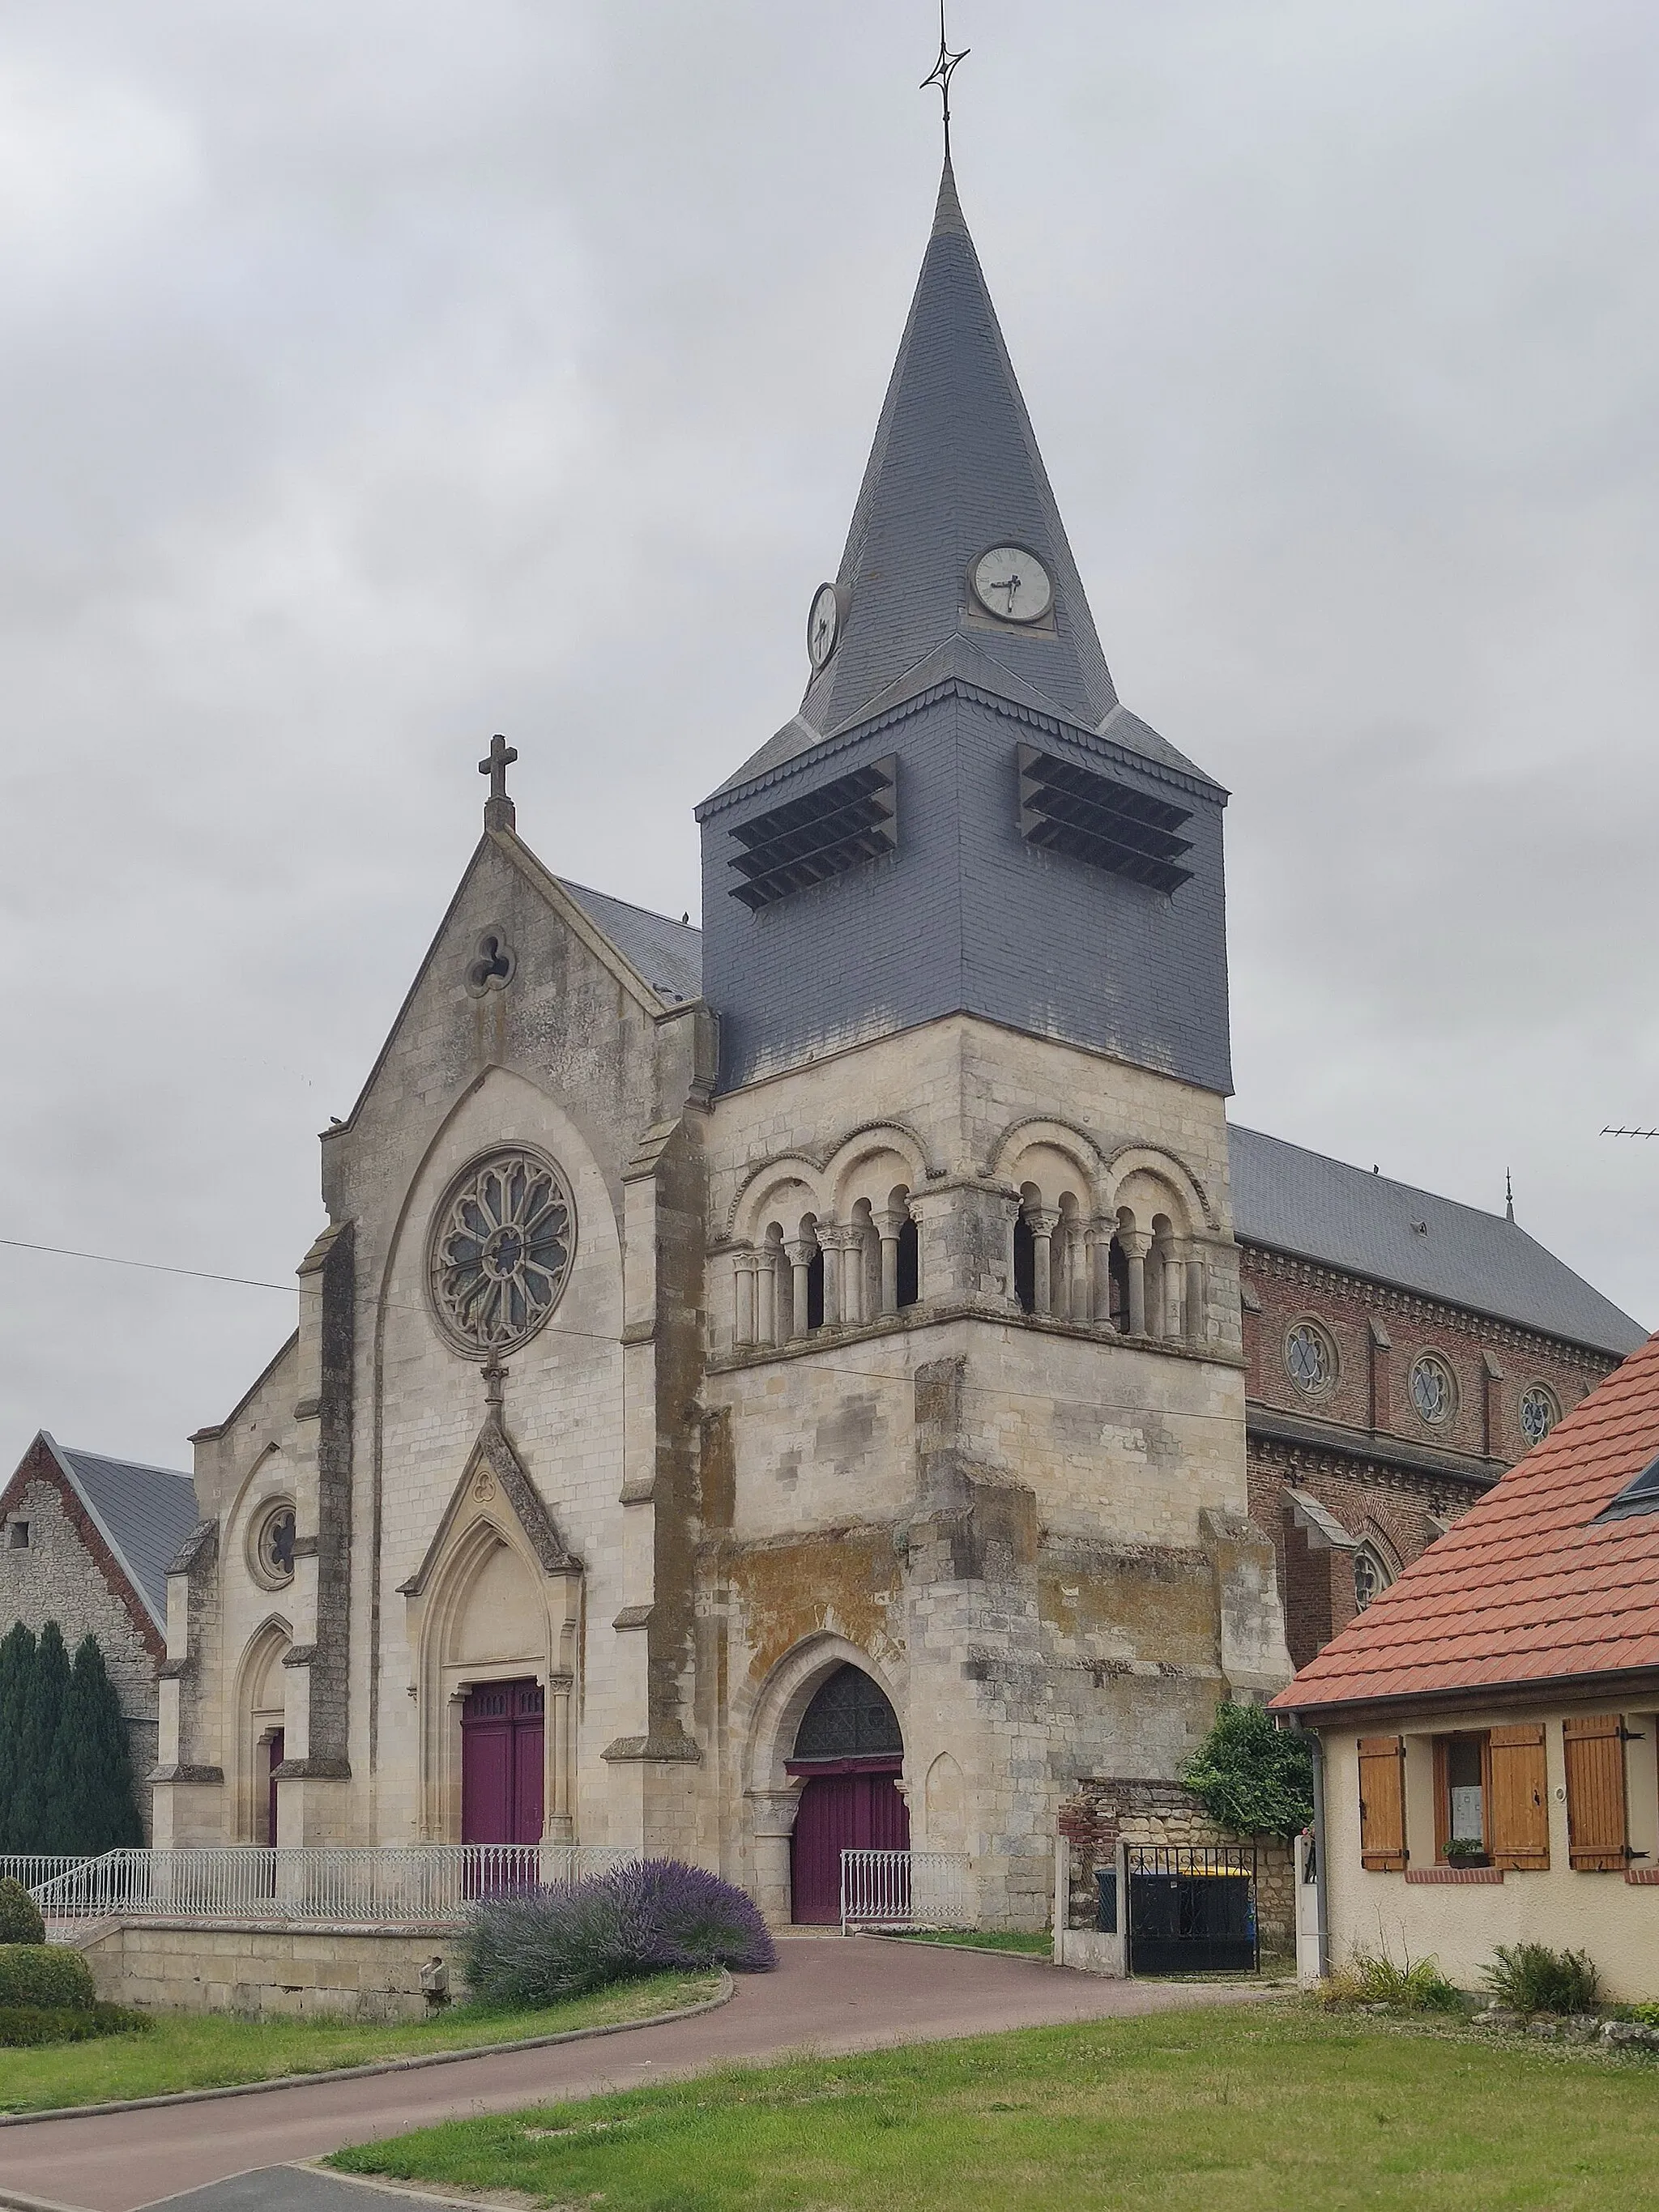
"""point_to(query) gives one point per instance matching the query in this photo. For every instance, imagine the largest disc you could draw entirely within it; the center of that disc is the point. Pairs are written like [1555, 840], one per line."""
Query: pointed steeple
[954, 470]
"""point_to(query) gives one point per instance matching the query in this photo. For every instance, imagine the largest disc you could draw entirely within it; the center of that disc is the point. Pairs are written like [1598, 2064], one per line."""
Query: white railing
[904, 1889]
[420, 1882]
[32, 1868]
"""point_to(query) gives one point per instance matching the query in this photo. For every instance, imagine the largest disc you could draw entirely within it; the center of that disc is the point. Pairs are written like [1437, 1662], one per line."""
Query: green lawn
[1252, 2108]
[210, 2051]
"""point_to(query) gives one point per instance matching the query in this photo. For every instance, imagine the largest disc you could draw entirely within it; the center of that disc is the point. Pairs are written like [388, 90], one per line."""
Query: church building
[788, 1386]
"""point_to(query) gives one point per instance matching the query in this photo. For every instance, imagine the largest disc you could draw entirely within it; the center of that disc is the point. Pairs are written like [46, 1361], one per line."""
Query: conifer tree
[43, 1707]
[88, 1794]
[16, 1666]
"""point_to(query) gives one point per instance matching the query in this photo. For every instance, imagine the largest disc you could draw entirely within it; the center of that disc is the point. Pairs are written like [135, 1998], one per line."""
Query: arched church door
[850, 1748]
[502, 1763]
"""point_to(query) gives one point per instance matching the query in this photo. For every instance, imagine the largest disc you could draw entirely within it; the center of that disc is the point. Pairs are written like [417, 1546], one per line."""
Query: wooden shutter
[1382, 1803]
[1598, 1838]
[1517, 1807]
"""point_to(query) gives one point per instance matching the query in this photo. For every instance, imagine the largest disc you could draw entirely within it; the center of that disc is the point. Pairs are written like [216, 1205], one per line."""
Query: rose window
[1309, 1359]
[1539, 1414]
[501, 1251]
[273, 1546]
[1433, 1392]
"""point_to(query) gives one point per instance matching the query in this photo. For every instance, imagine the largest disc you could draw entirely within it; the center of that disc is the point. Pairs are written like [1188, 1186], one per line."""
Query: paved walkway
[827, 1996]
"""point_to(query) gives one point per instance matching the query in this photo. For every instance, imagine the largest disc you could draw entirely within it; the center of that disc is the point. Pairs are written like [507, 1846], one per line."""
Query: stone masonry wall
[1102, 1811]
[260, 1972]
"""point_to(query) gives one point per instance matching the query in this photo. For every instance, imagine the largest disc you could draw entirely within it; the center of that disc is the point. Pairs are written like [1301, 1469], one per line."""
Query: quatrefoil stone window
[500, 1253]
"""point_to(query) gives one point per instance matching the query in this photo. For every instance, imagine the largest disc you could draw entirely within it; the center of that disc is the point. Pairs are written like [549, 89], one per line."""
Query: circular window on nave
[1434, 1394]
[272, 1548]
[501, 1244]
[1539, 1412]
[1310, 1358]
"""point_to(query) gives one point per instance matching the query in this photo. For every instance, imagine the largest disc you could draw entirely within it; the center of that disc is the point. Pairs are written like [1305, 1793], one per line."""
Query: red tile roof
[1525, 1587]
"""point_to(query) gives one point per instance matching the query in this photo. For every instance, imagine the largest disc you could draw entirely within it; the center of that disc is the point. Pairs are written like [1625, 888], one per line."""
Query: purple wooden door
[847, 1811]
[502, 1730]
[270, 1785]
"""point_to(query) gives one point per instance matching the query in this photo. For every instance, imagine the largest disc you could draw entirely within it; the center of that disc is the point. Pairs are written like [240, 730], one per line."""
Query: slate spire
[954, 470]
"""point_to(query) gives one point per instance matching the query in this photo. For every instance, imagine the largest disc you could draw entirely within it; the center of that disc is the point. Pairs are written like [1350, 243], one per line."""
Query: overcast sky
[376, 377]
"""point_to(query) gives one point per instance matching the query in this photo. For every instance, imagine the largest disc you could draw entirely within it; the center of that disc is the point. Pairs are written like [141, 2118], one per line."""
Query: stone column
[743, 1331]
[801, 1253]
[1195, 1298]
[559, 1826]
[889, 1227]
[766, 1294]
[1041, 1221]
[1137, 1244]
[843, 1270]
[1082, 1260]
[1101, 1233]
[772, 1823]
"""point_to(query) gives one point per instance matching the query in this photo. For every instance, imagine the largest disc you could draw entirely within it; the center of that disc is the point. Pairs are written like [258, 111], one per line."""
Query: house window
[1462, 1788]
[1598, 1814]
[1382, 1803]
[17, 1536]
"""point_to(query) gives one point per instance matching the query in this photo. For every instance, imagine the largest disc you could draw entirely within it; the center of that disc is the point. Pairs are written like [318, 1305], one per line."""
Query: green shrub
[1531, 1977]
[20, 1916]
[24, 2026]
[1253, 1777]
[46, 1975]
[1373, 1977]
[1647, 2013]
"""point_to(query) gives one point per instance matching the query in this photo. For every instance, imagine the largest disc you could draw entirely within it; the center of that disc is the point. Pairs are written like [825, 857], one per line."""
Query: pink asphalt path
[828, 1994]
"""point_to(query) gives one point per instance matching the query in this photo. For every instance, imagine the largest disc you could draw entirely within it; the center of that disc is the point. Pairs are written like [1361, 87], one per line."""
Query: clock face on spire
[824, 624]
[1012, 584]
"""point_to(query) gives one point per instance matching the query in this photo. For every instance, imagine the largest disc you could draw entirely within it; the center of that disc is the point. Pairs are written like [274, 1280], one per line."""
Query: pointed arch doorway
[850, 1749]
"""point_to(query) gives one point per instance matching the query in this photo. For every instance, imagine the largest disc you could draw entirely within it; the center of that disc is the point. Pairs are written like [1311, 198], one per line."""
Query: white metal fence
[904, 1889]
[420, 1882]
[32, 1868]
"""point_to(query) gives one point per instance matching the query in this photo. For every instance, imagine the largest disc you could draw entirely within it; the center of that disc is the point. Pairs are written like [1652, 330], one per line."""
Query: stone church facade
[850, 1285]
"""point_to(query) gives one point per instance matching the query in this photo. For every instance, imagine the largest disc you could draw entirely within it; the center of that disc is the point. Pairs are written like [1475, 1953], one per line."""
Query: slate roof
[954, 470]
[1527, 1587]
[145, 1514]
[1303, 1203]
[667, 954]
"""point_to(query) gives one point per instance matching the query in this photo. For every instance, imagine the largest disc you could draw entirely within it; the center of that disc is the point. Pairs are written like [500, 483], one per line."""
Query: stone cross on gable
[499, 812]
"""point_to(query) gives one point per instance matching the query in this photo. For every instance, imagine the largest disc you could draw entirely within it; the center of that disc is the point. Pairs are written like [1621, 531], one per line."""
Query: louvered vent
[829, 831]
[1089, 816]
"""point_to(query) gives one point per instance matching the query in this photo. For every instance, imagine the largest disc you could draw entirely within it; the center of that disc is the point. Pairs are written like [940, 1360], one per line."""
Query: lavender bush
[652, 1916]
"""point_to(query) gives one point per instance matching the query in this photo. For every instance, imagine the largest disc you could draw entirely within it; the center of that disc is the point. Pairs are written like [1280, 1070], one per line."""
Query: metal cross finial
[944, 70]
[498, 807]
[1508, 1195]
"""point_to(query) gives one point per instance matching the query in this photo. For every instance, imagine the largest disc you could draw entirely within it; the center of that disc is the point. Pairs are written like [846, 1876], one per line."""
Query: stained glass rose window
[500, 1255]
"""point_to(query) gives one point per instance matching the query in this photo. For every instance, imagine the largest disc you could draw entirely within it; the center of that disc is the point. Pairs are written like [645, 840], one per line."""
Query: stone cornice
[1316, 1275]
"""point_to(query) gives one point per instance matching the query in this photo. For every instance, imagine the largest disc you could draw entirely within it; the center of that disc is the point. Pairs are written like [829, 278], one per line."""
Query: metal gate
[1192, 1909]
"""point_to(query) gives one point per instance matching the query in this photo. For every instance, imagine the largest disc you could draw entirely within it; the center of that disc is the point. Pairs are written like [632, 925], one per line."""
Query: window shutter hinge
[1631, 1735]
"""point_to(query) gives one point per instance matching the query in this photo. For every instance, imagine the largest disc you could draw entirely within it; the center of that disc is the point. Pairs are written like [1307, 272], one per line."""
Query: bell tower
[962, 816]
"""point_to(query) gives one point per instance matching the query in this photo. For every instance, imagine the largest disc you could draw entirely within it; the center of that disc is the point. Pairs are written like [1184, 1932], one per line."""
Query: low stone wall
[261, 1970]
[1101, 1811]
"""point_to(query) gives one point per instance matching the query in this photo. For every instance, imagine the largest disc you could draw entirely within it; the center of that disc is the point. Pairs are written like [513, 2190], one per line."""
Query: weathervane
[944, 70]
